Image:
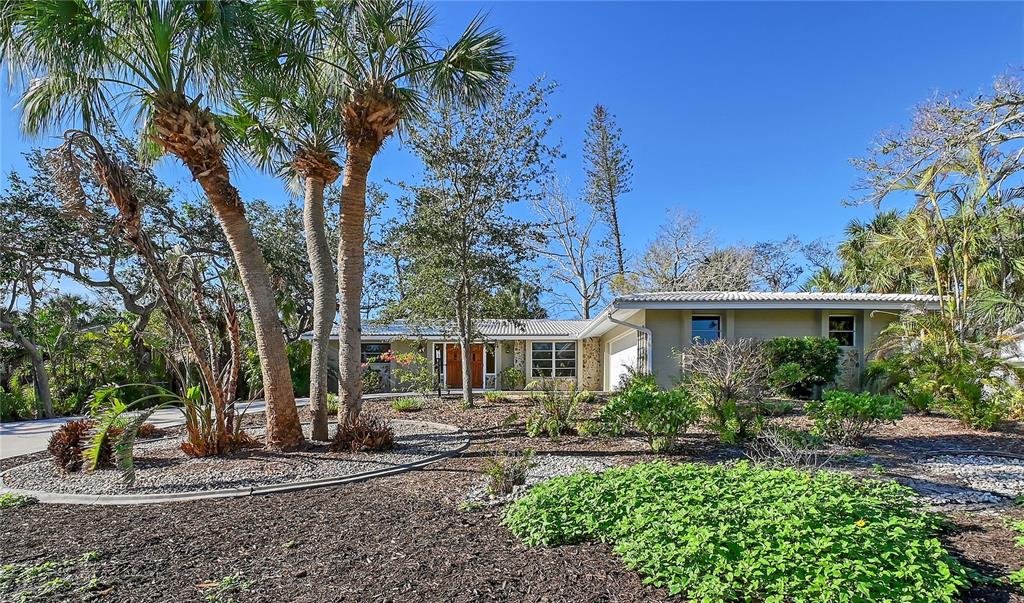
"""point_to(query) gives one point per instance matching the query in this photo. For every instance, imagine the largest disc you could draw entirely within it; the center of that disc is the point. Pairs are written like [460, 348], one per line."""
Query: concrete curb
[142, 499]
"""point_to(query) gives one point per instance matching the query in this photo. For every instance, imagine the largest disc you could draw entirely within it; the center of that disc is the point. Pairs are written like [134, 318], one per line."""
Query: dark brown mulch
[404, 538]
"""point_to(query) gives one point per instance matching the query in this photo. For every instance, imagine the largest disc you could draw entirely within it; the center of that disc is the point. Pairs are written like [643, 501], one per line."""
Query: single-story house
[644, 331]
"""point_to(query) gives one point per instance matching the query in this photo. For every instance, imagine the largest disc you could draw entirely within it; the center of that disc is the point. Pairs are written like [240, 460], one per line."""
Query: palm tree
[294, 129]
[168, 63]
[389, 69]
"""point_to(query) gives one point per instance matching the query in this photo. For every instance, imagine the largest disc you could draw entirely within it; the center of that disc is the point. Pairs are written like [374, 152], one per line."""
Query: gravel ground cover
[162, 468]
[544, 467]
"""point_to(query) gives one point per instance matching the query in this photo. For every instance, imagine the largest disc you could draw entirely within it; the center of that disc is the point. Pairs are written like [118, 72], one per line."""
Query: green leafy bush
[803, 365]
[511, 378]
[413, 373]
[585, 397]
[556, 411]
[371, 380]
[406, 405]
[17, 401]
[741, 532]
[16, 501]
[506, 472]
[846, 417]
[660, 415]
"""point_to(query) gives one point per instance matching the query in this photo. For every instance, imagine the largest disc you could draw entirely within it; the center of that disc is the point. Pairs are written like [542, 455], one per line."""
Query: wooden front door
[453, 361]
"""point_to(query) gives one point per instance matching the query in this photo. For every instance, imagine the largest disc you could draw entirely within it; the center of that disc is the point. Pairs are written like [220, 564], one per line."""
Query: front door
[453, 362]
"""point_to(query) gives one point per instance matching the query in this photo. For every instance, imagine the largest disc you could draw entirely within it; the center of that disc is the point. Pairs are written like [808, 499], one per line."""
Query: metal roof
[782, 296]
[491, 329]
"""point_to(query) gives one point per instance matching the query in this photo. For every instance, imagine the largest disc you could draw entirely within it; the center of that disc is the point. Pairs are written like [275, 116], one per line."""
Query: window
[553, 359]
[370, 351]
[705, 328]
[841, 328]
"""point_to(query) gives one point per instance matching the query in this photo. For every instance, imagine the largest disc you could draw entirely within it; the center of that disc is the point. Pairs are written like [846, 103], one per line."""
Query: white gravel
[544, 467]
[161, 468]
[985, 474]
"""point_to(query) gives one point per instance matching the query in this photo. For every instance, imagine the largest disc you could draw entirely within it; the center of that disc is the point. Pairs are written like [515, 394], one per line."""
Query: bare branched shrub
[730, 379]
[781, 446]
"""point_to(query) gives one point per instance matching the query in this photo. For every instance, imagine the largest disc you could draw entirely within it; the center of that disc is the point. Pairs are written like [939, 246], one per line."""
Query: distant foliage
[712, 533]
[660, 415]
[817, 359]
[845, 417]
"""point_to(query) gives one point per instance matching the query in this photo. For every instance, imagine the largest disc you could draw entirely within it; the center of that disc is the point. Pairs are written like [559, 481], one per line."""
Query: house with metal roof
[643, 331]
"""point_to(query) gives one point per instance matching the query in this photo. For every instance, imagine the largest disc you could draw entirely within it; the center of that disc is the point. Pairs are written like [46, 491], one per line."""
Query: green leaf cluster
[660, 415]
[845, 417]
[802, 365]
[741, 532]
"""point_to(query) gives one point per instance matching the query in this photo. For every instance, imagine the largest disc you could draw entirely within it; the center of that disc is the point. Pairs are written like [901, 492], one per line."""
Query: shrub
[406, 405]
[512, 378]
[413, 373]
[803, 364]
[504, 473]
[70, 441]
[368, 432]
[17, 401]
[371, 380]
[845, 417]
[585, 397]
[496, 397]
[730, 380]
[660, 415]
[780, 446]
[16, 501]
[556, 411]
[747, 533]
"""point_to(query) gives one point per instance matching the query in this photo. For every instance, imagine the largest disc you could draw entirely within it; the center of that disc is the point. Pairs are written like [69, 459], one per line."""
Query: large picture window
[553, 359]
[705, 328]
[842, 329]
[370, 351]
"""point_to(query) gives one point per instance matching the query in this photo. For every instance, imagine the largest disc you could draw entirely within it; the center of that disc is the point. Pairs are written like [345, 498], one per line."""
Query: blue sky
[744, 113]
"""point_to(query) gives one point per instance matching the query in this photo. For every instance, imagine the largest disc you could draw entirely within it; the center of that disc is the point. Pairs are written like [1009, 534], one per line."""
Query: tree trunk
[614, 214]
[467, 371]
[283, 428]
[40, 378]
[191, 133]
[325, 306]
[351, 265]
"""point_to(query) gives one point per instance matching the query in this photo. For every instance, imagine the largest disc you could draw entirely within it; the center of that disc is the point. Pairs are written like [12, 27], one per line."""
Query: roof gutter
[649, 359]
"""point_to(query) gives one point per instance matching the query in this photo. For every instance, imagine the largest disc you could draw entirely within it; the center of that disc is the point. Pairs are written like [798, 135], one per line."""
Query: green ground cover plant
[660, 415]
[742, 532]
[407, 405]
[845, 417]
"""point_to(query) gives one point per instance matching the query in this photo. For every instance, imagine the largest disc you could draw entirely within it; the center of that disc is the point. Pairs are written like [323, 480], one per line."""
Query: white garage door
[621, 357]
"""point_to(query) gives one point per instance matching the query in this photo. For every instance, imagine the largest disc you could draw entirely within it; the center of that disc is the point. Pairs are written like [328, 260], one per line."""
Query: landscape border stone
[140, 499]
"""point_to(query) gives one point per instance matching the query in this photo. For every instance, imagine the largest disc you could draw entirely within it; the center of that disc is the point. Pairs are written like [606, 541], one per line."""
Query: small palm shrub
[367, 433]
[740, 532]
[506, 472]
[511, 378]
[585, 397]
[845, 417]
[406, 405]
[556, 411]
[69, 443]
[660, 415]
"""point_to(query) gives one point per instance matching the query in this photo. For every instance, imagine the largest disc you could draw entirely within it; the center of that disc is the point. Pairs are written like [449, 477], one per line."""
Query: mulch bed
[404, 538]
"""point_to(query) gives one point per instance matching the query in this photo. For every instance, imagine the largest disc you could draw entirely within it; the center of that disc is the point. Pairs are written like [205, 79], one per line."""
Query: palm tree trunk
[191, 134]
[325, 306]
[351, 265]
[283, 428]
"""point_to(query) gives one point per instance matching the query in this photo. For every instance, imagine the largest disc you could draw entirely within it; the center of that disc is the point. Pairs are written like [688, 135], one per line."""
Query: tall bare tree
[671, 259]
[775, 264]
[573, 249]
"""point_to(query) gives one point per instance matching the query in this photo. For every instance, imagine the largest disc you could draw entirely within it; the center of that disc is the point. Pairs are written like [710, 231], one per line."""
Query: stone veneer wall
[519, 357]
[591, 373]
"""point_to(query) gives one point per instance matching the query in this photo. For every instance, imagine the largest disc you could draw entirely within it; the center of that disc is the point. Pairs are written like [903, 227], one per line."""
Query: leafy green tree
[172, 65]
[390, 69]
[464, 250]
